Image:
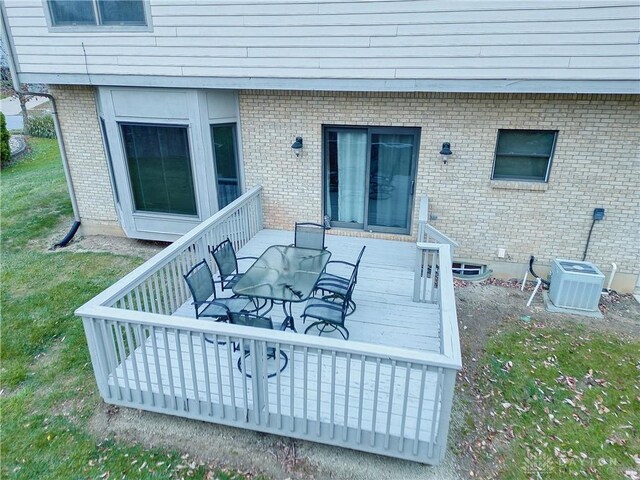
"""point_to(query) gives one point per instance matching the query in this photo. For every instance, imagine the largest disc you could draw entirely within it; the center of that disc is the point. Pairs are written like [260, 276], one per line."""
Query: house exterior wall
[596, 164]
[76, 106]
[406, 45]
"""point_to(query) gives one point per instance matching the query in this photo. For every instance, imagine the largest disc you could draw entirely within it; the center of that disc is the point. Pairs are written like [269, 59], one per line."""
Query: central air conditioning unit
[575, 285]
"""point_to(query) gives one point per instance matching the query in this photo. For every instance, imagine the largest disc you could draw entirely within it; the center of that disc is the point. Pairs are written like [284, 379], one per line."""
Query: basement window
[468, 269]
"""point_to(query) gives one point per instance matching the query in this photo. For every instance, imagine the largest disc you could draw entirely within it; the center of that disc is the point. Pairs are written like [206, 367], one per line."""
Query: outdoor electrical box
[598, 213]
[575, 285]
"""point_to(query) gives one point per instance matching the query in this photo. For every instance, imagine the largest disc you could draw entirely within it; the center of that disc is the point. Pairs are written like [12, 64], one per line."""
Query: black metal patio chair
[203, 292]
[331, 285]
[257, 321]
[309, 235]
[227, 262]
[329, 314]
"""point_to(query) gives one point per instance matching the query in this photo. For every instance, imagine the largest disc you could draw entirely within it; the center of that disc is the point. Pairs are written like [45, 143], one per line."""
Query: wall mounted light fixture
[297, 147]
[446, 152]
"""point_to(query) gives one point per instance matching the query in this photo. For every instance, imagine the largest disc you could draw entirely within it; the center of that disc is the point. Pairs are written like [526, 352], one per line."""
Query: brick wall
[87, 162]
[596, 164]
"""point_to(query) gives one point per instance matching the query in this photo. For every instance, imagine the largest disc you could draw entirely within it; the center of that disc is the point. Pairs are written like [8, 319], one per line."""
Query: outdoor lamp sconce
[446, 152]
[297, 147]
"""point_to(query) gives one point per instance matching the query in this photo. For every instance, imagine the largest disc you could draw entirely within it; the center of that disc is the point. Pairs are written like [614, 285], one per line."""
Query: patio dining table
[283, 275]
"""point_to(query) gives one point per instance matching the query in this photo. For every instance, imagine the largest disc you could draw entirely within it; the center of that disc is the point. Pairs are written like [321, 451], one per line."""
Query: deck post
[446, 402]
[98, 359]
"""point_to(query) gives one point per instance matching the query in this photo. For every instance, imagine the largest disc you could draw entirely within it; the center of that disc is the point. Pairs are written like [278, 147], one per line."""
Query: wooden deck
[314, 386]
[387, 390]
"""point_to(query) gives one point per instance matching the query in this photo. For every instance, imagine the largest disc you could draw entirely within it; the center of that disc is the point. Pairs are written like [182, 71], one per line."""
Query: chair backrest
[225, 257]
[357, 267]
[309, 235]
[348, 294]
[200, 282]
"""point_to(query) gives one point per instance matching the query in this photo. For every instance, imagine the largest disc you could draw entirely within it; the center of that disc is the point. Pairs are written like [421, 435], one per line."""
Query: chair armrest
[211, 302]
[244, 258]
[328, 282]
[342, 262]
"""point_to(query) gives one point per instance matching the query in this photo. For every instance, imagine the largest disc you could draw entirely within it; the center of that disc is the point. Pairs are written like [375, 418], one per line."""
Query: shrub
[5, 149]
[41, 126]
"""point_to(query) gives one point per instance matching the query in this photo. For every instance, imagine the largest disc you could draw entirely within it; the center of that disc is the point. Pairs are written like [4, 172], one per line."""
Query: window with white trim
[97, 12]
[524, 155]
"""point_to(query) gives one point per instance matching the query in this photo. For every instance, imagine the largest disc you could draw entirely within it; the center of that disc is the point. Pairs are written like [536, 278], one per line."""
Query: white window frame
[516, 179]
[99, 27]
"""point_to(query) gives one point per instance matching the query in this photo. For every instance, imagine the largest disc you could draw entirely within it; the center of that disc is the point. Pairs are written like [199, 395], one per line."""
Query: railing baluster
[132, 355]
[392, 383]
[180, 365]
[123, 360]
[292, 381]
[207, 380]
[376, 390]
[346, 398]
[167, 354]
[305, 386]
[423, 378]
[333, 392]
[361, 400]
[156, 359]
[145, 362]
[405, 401]
[194, 377]
[232, 385]
[245, 392]
[318, 391]
[278, 393]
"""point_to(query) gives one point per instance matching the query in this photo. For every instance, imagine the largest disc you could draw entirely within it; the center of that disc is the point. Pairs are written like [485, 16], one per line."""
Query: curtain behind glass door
[224, 152]
[345, 180]
[390, 180]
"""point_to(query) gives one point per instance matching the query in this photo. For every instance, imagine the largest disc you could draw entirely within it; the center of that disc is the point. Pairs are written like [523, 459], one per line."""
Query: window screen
[72, 12]
[159, 168]
[524, 155]
[97, 12]
[121, 12]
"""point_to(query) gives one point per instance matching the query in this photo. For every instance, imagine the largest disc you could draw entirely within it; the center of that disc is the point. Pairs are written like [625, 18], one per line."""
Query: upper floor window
[524, 155]
[97, 12]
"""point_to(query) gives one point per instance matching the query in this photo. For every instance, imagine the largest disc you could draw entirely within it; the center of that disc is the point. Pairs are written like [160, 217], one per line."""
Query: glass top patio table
[283, 273]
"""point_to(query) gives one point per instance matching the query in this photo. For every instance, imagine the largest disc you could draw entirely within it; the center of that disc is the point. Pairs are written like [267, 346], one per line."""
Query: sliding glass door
[369, 177]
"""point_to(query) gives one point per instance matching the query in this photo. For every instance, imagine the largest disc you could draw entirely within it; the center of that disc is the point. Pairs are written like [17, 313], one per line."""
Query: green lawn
[567, 402]
[48, 389]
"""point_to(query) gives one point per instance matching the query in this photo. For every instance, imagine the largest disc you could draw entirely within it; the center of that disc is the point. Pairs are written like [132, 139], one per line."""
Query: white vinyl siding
[400, 42]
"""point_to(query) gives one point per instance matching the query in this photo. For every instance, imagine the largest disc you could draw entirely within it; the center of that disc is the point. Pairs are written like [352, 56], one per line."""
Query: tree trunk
[25, 114]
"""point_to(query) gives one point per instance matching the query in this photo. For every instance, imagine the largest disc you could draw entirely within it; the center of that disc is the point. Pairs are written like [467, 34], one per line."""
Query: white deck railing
[427, 233]
[375, 398]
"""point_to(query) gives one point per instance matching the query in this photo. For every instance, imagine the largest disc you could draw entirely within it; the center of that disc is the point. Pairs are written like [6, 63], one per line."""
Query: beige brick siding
[596, 164]
[83, 143]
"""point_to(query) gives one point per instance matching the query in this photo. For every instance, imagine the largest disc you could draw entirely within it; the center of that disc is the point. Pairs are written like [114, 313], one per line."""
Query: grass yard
[565, 401]
[48, 392]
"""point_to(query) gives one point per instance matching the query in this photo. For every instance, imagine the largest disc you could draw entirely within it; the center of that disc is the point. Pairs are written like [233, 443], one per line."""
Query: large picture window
[524, 155]
[97, 12]
[369, 177]
[159, 167]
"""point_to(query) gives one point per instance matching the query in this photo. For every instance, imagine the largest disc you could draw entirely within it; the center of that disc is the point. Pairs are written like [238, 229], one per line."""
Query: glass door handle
[413, 187]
